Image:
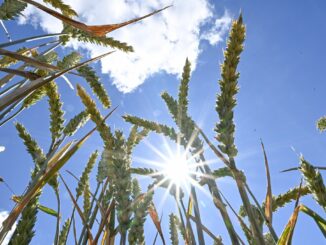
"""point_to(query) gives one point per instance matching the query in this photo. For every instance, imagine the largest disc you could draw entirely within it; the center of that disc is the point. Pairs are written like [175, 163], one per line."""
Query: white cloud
[3, 216]
[161, 43]
[2, 148]
[221, 26]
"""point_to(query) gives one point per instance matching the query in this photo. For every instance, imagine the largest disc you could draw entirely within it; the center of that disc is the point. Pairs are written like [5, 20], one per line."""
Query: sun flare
[177, 170]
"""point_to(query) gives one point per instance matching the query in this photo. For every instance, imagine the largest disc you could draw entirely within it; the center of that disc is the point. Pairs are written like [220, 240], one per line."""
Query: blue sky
[282, 94]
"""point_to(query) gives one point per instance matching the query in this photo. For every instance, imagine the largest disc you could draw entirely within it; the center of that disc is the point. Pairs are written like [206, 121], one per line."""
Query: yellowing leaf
[318, 219]
[269, 197]
[98, 30]
[190, 205]
[154, 216]
[287, 233]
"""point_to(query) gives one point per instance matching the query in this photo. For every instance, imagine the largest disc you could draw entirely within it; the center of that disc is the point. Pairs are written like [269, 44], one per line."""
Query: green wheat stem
[29, 39]
[217, 200]
[262, 213]
[91, 219]
[57, 230]
[198, 222]
[188, 223]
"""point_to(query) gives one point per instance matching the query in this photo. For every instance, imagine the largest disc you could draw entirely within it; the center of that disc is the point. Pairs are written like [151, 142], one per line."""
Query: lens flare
[177, 170]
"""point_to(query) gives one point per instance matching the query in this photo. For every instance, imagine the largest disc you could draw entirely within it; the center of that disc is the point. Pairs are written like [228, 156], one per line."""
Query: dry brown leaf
[154, 216]
[268, 198]
[97, 30]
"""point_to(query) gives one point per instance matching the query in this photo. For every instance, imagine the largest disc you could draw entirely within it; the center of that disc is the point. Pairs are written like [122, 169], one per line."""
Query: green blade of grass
[154, 216]
[19, 93]
[318, 219]
[287, 233]
[49, 173]
[29, 39]
[80, 212]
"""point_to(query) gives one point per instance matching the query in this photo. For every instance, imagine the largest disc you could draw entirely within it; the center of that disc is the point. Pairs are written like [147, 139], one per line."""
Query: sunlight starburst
[176, 169]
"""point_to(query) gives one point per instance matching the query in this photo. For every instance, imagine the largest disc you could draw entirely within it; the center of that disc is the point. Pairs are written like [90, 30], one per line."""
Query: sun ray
[178, 170]
[149, 162]
[156, 150]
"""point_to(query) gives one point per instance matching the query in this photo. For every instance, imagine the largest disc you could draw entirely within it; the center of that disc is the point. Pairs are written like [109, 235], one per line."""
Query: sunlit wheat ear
[107, 198]
[181, 228]
[11, 9]
[96, 116]
[120, 179]
[75, 123]
[314, 182]
[188, 137]
[64, 8]
[258, 216]
[173, 230]
[94, 82]
[290, 196]
[103, 165]
[135, 137]
[153, 126]
[6, 61]
[321, 124]
[69, 60]
[31, 145]
[85, 37]
[268, 239]
[56, 112]
[135, 190]
[140, 211]
[36, 152]
[85, 175]
[226, 100]
[36, 96]
[184, 122]
[87, 198]
[25, 228]
[183, 90]
[172, 106]
[48, 58]
[64, 232]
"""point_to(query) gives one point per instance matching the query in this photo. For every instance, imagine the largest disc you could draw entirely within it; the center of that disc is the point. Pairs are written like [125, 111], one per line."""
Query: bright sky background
[282, 94]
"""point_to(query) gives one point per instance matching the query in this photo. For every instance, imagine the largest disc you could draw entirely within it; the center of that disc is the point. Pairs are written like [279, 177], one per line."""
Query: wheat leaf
[26, 74]
[48, 210]
[35, 84]
[98, 30]
[94, 82]
[154, 216]
[90, 237]
[287, 233]
[33, 62]
[268, 198]
[317, 218]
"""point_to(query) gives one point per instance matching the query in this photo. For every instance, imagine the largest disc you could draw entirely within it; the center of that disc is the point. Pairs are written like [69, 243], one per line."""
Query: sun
[177, 170]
